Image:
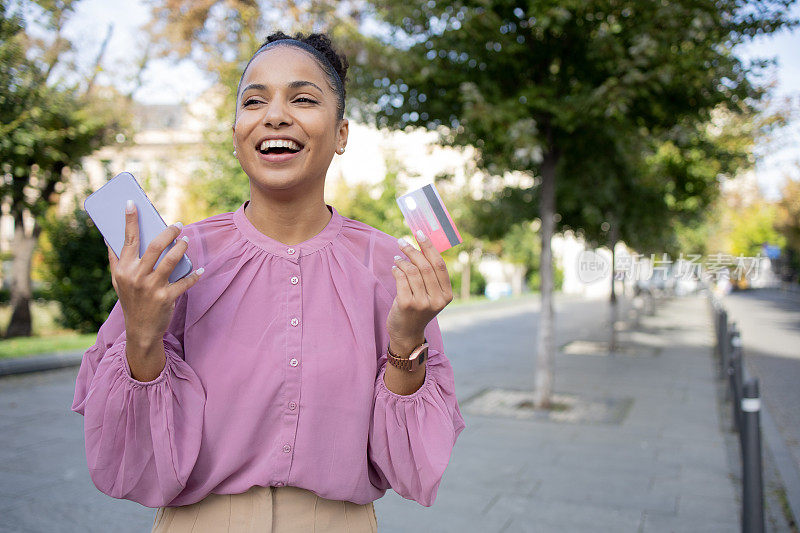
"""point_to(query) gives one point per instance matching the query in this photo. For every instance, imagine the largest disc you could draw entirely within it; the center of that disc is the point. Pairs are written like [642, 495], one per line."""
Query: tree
[788, 221]
[77, 270]
[51, 117]
[753, 227]
[788, 224]
[531, 83]
[376, 205]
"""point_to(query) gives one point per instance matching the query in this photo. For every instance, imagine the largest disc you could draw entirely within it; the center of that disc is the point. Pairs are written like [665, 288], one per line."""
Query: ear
[344, 130]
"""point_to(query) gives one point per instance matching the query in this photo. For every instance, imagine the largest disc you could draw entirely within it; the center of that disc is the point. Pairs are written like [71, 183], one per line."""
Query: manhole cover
[565, 407]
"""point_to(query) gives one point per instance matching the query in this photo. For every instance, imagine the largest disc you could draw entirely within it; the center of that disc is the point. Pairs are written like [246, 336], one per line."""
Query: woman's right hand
[145, 294]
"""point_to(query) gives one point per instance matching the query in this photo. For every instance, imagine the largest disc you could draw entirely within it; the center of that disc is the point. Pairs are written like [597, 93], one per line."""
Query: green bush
[558, 278]
[77, 271]
[477, 283]
[37, 294]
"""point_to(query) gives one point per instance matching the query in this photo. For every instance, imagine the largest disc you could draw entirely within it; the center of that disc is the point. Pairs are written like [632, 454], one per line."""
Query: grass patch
[786, 509]
[480, 298]
[27, 346]
[554, 406]
[458, 302]
[47, 336]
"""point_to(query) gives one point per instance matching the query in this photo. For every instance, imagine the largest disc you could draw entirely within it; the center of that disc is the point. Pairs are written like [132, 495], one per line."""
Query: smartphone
[424, 210]
[106, 208]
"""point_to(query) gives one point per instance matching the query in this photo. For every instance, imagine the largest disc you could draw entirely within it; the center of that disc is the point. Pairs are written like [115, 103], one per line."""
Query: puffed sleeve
[412, 436]
[142, 438]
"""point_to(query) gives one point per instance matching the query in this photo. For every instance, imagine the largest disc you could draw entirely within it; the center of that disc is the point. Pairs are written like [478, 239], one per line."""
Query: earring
[340, 150]
[234, 153]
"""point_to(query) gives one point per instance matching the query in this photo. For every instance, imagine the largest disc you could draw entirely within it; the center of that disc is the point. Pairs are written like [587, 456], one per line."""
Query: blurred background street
[660, 464]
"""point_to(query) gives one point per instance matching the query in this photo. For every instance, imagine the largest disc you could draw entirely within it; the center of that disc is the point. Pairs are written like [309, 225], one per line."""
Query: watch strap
[403, 363]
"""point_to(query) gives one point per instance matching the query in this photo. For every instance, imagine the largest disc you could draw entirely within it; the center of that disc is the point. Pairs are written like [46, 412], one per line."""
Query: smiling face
[285, 94]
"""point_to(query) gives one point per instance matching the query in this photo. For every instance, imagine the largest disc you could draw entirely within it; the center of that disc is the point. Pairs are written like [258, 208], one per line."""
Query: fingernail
[129, 206]
[178, 225]
[200, 271]
[402, 242]
[397, 258]
[421, 236]
[185, 238]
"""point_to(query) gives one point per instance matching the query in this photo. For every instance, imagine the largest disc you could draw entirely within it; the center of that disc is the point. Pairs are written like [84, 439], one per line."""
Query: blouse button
[293, 362]
[295, 321]
[287, 448]
[292, 405]
[295, 279]
[290, 251]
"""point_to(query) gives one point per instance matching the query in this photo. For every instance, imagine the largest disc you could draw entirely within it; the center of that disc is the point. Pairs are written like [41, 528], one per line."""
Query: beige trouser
[267, 510]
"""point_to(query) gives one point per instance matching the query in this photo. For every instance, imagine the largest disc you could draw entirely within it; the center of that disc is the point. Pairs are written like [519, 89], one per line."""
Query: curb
[783, 461]
[36, 363]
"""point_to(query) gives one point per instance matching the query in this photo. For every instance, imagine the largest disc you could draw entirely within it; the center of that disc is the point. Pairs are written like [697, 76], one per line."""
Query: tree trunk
[613, 237]
[612, 242]
[545, 353]
[21, 289]
[518, 280]
[465, 278]
[20, 324]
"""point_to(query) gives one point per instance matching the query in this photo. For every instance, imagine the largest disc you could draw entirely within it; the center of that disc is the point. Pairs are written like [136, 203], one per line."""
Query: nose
[276, 112]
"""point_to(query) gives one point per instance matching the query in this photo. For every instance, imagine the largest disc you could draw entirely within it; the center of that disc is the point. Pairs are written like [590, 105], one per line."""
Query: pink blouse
[274, 376]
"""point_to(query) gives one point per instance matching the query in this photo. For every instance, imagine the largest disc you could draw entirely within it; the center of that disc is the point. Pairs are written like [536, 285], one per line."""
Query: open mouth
[278, 150]
[279, 147]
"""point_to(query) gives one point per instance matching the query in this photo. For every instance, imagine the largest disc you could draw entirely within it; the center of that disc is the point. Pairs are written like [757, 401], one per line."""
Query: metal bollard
[735, 371]
[721, 320]
[651, 303]
[723, 344]
[753, 490]
[728, 351]
[717, 327]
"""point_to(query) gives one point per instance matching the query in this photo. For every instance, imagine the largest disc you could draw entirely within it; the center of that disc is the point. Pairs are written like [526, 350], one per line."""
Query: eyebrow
[292, 85]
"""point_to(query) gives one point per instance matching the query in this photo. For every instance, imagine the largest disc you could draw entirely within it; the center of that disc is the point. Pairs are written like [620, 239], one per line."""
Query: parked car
[497, 289]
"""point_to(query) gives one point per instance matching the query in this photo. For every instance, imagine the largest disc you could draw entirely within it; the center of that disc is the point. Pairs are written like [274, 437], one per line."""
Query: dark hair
[321, 43]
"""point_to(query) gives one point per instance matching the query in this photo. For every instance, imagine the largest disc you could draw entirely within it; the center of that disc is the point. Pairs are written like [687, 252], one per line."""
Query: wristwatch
[411, 362]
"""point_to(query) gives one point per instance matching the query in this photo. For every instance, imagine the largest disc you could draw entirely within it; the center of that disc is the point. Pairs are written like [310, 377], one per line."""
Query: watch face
[420, 357]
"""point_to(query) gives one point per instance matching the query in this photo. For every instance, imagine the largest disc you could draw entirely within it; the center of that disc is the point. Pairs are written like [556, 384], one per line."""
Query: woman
[258, 395]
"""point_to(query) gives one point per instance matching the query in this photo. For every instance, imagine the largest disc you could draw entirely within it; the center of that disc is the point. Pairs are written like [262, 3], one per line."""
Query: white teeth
[279, 143]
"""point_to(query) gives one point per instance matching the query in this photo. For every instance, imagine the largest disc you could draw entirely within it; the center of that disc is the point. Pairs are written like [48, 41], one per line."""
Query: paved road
[769, 321]
[44, 482]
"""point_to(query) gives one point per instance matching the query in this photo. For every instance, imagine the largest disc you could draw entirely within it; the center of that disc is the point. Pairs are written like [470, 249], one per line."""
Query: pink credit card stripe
[447, 214]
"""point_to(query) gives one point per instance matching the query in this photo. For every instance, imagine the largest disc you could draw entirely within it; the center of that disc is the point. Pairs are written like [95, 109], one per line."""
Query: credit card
[423, 209]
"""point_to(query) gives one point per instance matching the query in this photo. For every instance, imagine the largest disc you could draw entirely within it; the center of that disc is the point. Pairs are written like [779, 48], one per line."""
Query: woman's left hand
[423, 289]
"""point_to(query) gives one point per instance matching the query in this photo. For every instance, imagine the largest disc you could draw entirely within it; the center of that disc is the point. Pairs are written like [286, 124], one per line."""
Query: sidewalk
[666, 464]
[665, 467]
